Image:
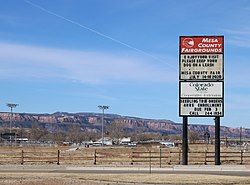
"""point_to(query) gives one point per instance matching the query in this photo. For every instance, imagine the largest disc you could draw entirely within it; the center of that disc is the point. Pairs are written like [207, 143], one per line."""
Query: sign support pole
[185, 141]
[217, 140]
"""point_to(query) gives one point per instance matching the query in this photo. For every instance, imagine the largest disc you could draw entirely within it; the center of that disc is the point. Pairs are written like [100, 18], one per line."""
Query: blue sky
[73, 55]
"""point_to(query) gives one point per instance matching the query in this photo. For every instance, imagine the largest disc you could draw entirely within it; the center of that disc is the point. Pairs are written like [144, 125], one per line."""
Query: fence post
[132, 154]
[160, 157]
[205, 157]
[180, 156]
[241, 156]
[169, 162]
[150, 161]
[95, 158]
[22, 157]
[58, 157]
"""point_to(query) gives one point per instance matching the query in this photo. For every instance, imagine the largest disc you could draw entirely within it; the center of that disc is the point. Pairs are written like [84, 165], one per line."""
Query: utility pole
[103, 107]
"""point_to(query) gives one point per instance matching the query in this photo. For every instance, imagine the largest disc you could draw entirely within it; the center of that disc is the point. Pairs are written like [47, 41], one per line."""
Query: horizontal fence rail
[121, 156]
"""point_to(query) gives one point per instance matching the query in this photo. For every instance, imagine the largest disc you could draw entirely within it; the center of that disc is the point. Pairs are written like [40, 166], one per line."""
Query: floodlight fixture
[11, 105]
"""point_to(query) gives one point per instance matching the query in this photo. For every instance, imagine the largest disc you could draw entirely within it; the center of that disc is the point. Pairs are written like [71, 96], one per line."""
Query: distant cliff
[92, 121]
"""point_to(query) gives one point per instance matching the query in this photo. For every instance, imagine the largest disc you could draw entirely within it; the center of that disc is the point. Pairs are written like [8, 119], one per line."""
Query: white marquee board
[201, 67]
[201, 89]
[201, 107]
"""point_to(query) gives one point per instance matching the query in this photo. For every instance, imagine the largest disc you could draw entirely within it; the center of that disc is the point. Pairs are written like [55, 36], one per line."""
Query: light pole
[11, 105]
[103, 107]
[240, 137]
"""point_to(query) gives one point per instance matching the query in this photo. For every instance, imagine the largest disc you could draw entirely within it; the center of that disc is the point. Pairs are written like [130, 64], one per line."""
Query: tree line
[75, 133]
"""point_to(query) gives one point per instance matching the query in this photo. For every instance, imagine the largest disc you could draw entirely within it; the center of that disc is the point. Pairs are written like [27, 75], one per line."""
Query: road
[227, 173]
[209, 170]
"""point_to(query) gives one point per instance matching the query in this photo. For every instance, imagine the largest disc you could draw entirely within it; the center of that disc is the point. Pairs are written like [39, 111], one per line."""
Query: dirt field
[121, 179]
[199, 154]
[11, 155]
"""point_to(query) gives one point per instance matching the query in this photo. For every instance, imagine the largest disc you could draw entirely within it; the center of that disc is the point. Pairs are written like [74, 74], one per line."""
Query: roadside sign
[201, 76]
[201, 84]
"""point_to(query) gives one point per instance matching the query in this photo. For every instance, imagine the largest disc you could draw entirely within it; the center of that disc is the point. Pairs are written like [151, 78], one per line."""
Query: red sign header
[202, 44]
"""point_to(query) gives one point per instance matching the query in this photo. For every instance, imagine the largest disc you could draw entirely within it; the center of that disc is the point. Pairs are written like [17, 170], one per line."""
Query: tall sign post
[201, 84]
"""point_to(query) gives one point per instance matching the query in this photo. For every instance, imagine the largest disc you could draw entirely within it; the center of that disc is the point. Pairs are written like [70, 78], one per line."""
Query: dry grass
[117, 155]
[110, 156]
[101, 179]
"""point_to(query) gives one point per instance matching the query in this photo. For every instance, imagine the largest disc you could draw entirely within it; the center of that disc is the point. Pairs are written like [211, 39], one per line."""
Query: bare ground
[120, 179]
[102, 179]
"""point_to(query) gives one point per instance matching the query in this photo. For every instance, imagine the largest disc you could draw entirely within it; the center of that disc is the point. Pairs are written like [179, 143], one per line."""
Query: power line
[96, 32]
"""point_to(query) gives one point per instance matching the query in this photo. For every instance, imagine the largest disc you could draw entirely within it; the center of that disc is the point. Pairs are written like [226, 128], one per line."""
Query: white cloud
[240, 41]
[238, 37]
[84, 66]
